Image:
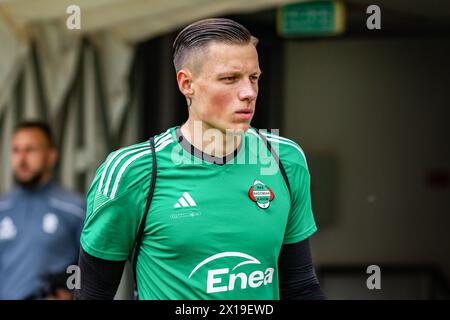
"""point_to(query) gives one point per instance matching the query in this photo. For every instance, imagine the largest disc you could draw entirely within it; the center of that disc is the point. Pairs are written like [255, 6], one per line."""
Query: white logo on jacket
[50, 223]
[7, 229]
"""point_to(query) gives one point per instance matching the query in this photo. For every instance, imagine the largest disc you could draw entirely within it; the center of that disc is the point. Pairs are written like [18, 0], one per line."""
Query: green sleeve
[301, 224]
[111, 225]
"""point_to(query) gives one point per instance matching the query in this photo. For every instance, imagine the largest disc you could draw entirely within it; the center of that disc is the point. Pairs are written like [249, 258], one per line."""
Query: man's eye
[228, 78]
[254, 78]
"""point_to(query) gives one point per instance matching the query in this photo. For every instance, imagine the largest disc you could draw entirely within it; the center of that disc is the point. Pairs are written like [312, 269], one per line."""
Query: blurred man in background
[40, 222]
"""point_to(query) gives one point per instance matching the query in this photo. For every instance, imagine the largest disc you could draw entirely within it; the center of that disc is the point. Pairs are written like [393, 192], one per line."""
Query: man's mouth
[244, 114]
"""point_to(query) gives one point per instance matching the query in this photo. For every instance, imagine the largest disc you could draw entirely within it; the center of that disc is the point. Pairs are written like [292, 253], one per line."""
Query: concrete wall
[380, 106]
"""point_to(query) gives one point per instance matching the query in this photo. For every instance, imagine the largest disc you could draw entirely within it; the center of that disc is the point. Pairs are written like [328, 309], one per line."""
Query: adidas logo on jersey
[185, 201]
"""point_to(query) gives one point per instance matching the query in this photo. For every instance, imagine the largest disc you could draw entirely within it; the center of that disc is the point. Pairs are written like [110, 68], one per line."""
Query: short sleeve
[78, 226]
[301, 223]
[112, 218]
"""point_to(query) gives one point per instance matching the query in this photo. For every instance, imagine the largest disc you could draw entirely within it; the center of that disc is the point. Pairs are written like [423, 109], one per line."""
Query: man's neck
[43, 183]
[212, 141]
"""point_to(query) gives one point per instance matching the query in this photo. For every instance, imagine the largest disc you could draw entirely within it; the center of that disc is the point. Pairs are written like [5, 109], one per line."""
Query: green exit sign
[315, 18]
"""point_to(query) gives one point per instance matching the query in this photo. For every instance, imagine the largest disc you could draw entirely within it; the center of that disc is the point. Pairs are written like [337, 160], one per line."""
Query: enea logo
[221, 280]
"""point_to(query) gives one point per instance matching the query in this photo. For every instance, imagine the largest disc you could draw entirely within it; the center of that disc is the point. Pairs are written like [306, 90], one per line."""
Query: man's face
[31, 157]
[225, 87]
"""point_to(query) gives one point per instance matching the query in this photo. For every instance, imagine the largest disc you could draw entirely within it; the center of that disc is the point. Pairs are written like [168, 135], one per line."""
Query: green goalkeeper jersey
[215, 226]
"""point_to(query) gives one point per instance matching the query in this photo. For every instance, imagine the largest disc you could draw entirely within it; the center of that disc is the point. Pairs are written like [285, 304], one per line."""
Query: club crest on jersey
[261, 194]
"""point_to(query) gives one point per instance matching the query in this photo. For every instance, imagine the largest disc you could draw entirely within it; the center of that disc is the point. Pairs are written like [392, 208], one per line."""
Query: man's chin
[238, 128]
[29, 182]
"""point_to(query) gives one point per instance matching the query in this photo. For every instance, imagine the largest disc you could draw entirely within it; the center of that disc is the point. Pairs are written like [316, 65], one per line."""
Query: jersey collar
[204, 156]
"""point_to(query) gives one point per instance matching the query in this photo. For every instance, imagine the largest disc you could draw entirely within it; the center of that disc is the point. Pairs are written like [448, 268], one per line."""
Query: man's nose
[19, 155]
[248, 91]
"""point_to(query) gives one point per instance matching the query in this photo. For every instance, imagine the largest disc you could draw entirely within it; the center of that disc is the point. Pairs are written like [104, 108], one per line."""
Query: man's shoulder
[128, 166]
[124, 168]
[68, 195]
[5, 196]
[67, 201]
[6, 200]
[165, 138]
[289, 151]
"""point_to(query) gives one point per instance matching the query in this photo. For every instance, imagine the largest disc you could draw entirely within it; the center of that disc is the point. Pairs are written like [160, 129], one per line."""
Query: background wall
[380, 107]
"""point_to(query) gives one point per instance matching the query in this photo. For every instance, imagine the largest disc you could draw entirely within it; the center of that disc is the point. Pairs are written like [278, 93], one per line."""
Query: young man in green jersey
[221, 210]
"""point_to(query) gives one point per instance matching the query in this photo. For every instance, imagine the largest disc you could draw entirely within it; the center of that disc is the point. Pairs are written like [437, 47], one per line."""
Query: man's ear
[185, 83]
[53, 156]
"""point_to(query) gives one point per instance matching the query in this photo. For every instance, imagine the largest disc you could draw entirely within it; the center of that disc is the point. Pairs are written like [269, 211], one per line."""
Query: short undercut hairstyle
[40, 125]
[199, 34]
